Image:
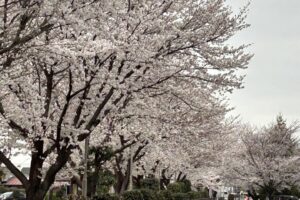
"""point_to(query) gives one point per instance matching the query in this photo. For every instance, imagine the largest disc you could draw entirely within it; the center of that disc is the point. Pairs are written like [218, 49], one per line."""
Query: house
[11, 181]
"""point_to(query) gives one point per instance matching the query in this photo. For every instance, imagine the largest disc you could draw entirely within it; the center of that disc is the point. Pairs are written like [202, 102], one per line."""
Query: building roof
[25, 171]
[13, 181]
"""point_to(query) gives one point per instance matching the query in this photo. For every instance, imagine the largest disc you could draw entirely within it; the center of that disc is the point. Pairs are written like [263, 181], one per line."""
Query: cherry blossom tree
[266, 159]
[177, 141]
[101, 55]
[22, 22]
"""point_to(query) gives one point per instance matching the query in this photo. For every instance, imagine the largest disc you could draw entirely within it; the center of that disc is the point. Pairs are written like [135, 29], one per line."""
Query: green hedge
[160, 196]
[150, 183]
[148, 194]
[177, 187]
[106, 197]
[181, 196]
[180, 187]
[132, 195]
[187, 186]
[166, 194]
[195, 195]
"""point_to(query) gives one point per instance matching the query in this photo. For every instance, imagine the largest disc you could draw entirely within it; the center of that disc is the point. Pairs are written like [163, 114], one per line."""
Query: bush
[132, 195]
[166, 194]
[150, 183]
[181, 196]
[187, 186]
[106, 197]
[177, 187]
[105, 179]
[195, 195]
[61, 192]
[204, 193]
[159, 196]
[148, 194]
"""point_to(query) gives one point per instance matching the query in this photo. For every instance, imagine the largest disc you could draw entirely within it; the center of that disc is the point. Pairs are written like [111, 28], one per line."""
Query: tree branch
[13, 169]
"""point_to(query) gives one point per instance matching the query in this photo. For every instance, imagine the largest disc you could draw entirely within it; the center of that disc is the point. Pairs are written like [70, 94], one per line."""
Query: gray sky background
[272, 83]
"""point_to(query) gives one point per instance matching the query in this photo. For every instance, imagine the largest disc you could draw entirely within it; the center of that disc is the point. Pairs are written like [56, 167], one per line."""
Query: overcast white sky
[272, 83]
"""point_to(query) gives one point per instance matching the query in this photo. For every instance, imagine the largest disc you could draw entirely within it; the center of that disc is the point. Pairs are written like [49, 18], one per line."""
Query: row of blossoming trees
[144, 75]
[265, 161]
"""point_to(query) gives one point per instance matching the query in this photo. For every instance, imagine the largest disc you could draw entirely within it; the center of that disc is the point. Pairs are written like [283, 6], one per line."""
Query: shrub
[181, 196]
[132, 195]
[150, 183]
[204, 193]
[177, 187]
[195, 195]
[166, 194]
[148, 194]
[106, 197]
[105, 180]
[186, 186]
[159, 196]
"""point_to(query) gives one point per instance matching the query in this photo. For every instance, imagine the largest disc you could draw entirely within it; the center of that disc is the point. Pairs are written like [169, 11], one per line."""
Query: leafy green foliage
[195, 195]
[203, 193]
[102, 153]
[106, 197]
[181, 196]
[166, 194]
[177, 187]
[132, 195]
[148, 194]
[160, 196]
[150, 183]
[186, 185]
[105, 180]
[60, 194]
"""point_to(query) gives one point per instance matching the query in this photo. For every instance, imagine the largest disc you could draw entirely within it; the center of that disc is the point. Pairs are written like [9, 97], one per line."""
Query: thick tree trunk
[119, 181]
[125, 184]
[39, 195]
[122, 180]
[38, 188]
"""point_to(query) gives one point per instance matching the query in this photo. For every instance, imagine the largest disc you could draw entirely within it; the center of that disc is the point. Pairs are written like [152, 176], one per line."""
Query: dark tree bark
[35, 187]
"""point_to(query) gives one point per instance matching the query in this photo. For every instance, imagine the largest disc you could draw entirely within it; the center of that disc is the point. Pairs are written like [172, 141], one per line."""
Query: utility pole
[130, 169]
[85, 175]
[159, 181]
